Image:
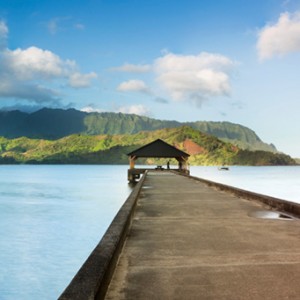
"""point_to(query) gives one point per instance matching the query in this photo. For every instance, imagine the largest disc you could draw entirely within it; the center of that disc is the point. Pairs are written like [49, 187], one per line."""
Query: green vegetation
[112, 149]
[297, 160]
[54, 124]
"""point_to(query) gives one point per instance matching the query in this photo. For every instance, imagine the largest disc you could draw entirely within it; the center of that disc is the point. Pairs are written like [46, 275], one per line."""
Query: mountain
[112, 149]
[45, 123]
[57, 123]
[236, 134]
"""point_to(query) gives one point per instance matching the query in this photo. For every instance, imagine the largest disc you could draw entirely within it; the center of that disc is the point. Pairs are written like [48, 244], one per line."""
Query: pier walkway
[188, 240]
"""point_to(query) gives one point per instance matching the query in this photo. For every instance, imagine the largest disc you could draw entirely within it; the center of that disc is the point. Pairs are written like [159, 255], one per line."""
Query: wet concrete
[265, 214]
[191, 241]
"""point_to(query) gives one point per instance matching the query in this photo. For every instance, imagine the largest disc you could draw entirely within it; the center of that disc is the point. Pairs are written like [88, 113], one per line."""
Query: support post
[132, 162]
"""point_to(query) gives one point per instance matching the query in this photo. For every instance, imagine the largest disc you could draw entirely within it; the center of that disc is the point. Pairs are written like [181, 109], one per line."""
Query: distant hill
[45, 123]
[57, 123]
[112, 149]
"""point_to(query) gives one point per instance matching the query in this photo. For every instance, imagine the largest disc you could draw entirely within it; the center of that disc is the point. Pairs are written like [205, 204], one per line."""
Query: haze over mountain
[57, 123]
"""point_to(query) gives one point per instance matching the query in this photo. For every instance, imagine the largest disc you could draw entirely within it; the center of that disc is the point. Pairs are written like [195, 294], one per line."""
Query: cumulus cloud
[280, 38]
[35, 63]
[194, 77]
[78, 80]
[138, 109]
[28, 73]
[130, 68]
[134, 85]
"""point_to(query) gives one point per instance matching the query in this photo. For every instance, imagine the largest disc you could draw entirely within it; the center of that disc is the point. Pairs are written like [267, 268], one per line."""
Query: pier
[179, 237]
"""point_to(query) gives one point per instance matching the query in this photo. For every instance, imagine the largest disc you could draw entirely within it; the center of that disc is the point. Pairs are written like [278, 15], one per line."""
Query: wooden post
[184, 165]
[132, 162]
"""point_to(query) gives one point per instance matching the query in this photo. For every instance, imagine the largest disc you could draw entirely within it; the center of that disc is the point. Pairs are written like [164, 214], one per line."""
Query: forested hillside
[57, 123]
[112, 149]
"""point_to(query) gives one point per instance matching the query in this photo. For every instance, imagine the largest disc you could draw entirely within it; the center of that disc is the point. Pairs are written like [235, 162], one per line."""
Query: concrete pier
[191, 241]
[181, 238]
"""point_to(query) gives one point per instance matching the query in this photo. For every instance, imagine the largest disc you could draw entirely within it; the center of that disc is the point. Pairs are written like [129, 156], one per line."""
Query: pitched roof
[158, 148]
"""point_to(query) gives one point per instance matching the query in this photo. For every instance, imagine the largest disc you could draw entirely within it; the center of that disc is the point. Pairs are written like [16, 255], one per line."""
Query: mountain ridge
[48, 123]
[112, 149]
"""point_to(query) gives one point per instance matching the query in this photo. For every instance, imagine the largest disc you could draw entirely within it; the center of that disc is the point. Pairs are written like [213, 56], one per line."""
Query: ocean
[53, 216]
[277, 181]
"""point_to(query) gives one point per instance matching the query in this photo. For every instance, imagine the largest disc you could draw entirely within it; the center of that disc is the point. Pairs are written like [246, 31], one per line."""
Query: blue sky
[225, 60]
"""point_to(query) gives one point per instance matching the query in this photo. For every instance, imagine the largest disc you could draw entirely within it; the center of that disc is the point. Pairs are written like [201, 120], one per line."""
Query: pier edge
[273, 202]
[93, 278]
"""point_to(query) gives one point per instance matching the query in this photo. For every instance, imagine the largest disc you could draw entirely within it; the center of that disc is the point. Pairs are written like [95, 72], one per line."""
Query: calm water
[279, 182]
[52, 217]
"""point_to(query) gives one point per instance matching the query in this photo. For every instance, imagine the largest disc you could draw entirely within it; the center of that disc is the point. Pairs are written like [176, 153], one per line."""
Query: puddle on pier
[274, 215]
[147, 187]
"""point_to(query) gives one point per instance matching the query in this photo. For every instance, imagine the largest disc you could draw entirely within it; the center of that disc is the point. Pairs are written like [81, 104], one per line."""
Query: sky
[184, 60]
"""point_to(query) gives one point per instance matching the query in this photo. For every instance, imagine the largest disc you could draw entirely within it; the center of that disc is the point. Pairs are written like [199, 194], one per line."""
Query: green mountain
[57, 123]
[236, 134]
[112, 149]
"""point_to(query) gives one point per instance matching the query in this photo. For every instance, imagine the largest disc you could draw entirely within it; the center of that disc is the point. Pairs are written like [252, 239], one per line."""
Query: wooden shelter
[157, 149]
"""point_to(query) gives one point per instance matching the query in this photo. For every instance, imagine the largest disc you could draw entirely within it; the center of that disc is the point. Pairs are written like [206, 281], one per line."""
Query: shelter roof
[158, 148]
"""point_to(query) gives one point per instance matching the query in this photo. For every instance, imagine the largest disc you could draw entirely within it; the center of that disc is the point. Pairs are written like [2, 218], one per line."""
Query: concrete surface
[190, 241]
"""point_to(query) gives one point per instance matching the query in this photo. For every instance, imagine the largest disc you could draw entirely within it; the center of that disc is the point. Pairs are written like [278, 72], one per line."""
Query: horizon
[222, 61]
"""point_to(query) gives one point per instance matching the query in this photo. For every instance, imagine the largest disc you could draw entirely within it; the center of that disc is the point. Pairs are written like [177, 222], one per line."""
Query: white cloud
[138, 109]
[134, 86]
[281, 38]
[130, 68]
[78, 80]
[28, 73]
[90, 109]
[35, 63]
[194, 77]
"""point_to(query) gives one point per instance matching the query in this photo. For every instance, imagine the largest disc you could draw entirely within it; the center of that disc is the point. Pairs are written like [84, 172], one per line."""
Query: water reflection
[277, 181]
